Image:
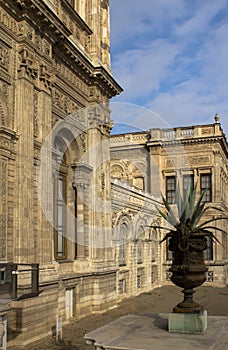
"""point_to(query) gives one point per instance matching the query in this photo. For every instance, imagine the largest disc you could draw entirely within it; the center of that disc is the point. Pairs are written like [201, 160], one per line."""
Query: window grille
[122, 286]
[209, 276]
[139, 281]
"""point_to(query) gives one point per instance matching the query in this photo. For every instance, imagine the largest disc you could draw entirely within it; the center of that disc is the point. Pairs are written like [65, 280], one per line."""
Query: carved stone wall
[194, 150]
[54, 65]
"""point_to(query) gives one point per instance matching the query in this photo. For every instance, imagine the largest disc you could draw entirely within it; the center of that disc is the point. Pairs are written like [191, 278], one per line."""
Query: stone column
[99, 159]
[24, 235]
[82, 179]
[105, 34]
[8, 139]
[94, 10]
[216, 184]
[44, 239]
[155, 171]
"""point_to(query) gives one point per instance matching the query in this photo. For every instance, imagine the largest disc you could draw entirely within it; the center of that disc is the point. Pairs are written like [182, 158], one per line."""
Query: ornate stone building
[55, 252]
[74, 239]
[157, 160]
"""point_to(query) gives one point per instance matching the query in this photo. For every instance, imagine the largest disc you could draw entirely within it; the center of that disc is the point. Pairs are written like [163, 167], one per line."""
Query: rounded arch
[65, 143]
[123, 219]
[122, 233]
[140, 229]
[117, 170]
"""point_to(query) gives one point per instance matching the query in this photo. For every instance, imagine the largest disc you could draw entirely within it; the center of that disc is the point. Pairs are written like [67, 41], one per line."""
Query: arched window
[123, 229]
[153, 245]
[60, 200]
[140, 245]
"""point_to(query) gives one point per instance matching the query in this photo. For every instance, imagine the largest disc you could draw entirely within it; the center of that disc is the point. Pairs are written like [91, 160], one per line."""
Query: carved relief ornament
[4, 57]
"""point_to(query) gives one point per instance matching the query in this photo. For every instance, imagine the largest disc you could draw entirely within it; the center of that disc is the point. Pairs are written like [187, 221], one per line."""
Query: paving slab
[150, 331]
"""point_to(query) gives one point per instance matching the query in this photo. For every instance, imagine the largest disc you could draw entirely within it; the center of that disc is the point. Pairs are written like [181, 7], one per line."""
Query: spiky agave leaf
[169, 216]
[212, 220]
[187, 204]
[191, 202]
[197, 214]
[160, 227]
[170, 234]
[179, 201]
[190, 212]
[170, 212]
[214, 228]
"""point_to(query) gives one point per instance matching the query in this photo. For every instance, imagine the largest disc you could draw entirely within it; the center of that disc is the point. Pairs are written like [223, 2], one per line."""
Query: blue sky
[171, 57]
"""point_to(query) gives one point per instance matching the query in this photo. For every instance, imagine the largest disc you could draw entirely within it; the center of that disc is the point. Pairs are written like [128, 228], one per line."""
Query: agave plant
[187, 223]
[187, 241]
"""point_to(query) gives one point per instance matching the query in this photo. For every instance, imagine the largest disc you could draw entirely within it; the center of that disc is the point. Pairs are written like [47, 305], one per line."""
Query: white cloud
[141, 70]
[172, 57]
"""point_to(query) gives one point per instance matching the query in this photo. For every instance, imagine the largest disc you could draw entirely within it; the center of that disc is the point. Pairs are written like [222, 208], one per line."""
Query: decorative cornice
[94, 75]
[199, 140]
[39, 14]
[75, 16]
[51, 27]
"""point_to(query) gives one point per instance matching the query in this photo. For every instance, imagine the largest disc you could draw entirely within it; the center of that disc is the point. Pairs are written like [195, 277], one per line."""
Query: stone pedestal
[188, 323]
[146, 332]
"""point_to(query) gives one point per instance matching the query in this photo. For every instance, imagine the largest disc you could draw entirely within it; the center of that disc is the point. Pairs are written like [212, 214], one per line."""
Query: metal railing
[11, 274]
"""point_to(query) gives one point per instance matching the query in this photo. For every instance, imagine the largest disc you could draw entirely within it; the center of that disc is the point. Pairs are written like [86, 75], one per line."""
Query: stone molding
[8, 138]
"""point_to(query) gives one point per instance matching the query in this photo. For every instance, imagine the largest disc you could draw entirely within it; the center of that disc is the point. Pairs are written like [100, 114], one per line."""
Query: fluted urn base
[188, 305]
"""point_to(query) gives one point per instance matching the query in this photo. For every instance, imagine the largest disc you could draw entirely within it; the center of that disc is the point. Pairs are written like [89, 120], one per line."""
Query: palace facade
[158, 160]
[75, 229]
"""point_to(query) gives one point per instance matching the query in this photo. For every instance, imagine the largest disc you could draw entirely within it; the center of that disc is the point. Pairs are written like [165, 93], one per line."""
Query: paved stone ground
[160, 300]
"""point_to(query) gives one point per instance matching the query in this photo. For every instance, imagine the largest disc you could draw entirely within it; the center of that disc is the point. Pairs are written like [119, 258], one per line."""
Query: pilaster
[24, 229]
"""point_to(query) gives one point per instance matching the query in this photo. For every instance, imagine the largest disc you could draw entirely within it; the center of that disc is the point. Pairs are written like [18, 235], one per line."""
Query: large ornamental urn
[187, 239]
[188, 270]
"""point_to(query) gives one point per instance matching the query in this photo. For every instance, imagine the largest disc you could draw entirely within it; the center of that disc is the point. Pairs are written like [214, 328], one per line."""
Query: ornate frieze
[4, 57]
[47, 79]
[35, 114]
[3, 209]
[79, 116]
[28, 64]
[33, 68]
[8, 21]
[206, 131]
[170, 162]
[83, 141]
[63, 102]
[25, 31]
[8, 139]
[67, 74]
[195, 160]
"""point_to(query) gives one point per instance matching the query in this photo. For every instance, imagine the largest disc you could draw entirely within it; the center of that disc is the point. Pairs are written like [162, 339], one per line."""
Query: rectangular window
[153, 275]
[208, 253]
[60, 217]
[169, 254]
[188, 182]
[205, 182]
[122, 286]
[171, 189]
[139, 251]
[153, 251]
